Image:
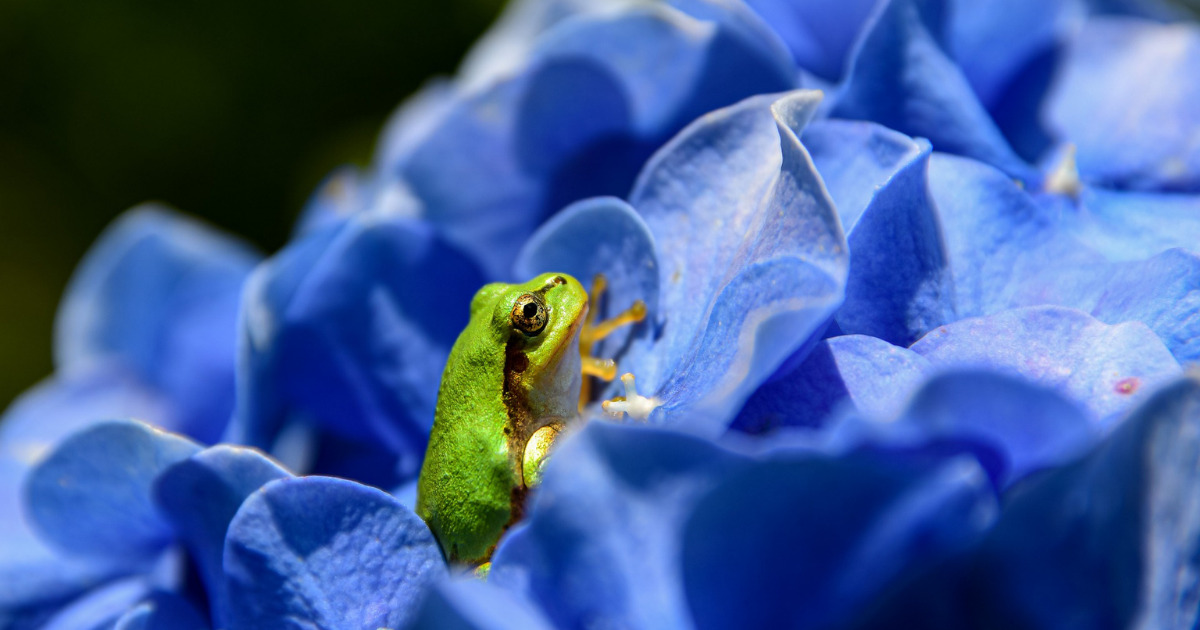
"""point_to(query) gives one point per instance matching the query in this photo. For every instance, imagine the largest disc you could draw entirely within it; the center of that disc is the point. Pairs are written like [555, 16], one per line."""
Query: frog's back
[467, 484]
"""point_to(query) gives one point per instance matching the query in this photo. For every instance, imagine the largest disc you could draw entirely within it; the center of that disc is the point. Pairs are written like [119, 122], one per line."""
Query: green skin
[500, 385]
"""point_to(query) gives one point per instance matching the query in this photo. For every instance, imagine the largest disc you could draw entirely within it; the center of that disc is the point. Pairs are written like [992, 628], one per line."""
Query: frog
[514, 381]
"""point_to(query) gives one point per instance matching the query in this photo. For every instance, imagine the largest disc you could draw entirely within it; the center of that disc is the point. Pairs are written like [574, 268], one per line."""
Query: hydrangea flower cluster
[922, 282]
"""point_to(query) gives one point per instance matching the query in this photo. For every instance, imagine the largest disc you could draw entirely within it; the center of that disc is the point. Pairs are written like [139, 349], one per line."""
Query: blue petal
[819, 34]
[596, 97]
[30, 571]
[472, 604]
[994, 40]
[843, 373]
[101, 608]
[349, 329]
[161, 611]
[1115, 536]
[901, 78]
[199, 497]
[602, 541]
[751, 253]
[1103, 368]
[806, 542]
[1108, 542]
[899, 285]
[92, 495]
[1127, 100]
[994, 232]
[159, 292]
[407, 126]
[1014, 427]
[601, 235]
[328, 553]
[338, 196]
[1162, 292]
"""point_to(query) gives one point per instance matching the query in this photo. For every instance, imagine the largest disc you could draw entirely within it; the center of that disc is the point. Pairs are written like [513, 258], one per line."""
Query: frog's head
[539, 322]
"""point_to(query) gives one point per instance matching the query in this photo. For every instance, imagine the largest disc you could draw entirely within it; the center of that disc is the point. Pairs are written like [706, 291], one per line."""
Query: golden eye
[529, 314]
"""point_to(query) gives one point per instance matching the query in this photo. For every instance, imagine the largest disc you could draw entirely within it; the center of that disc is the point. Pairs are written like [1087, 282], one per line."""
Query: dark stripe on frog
[519, 421]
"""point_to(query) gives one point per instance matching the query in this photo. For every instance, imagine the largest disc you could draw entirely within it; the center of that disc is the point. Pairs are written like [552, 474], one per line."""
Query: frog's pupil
[530, 309]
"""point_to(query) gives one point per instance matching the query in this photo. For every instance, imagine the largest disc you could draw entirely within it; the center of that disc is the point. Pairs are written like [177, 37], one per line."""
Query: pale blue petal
[328, 553]
[92, 495]
[470, 604]
[601, 544]
[854, 372]
[1127, 100]
[1104, 368]
[349, 329]
[199, 496]
[806, 542]
[751, 253]
[159, 292]
[900, 77]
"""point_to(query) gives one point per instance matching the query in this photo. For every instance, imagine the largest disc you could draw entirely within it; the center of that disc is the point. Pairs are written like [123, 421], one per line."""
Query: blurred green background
[232, 111]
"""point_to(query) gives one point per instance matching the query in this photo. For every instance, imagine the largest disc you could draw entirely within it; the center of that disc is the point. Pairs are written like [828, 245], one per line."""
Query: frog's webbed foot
[636, 405]
[594, 331]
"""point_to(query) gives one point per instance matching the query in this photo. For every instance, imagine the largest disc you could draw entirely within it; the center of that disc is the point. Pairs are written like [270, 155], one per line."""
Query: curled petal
[751, 252]
[900, 285]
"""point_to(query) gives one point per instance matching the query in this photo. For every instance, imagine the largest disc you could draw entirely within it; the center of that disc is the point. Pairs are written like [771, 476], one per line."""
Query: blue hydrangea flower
[916, 345]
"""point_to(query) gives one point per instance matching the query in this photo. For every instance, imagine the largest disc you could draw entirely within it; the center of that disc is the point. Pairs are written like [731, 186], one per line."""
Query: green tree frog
[513, 381]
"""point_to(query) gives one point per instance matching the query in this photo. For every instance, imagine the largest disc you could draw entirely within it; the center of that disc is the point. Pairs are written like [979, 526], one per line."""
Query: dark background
[229, 110]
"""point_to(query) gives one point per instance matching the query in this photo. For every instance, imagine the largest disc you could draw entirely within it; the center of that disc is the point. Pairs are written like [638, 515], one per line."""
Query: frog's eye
[529, 314]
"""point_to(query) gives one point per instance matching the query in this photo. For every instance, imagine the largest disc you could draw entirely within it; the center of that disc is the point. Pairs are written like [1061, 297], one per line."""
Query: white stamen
[637, 406]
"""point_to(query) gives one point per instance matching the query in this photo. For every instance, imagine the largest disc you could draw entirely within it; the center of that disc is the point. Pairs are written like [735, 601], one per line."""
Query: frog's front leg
[537, 453]
[593, 331]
